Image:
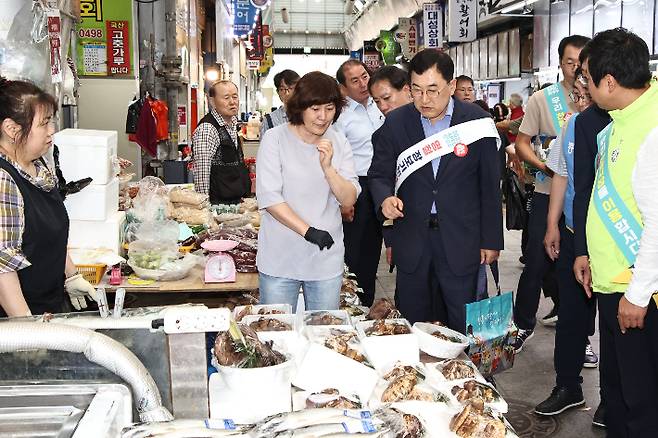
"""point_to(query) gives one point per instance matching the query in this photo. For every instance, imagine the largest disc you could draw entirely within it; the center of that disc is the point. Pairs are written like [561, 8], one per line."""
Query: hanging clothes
[146, 135]
[161, 113]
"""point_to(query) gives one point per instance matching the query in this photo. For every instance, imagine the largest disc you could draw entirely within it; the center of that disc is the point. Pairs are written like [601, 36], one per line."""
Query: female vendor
[35, 269]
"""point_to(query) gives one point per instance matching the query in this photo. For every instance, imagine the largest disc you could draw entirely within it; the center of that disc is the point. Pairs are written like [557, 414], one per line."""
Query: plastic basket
[92, 273]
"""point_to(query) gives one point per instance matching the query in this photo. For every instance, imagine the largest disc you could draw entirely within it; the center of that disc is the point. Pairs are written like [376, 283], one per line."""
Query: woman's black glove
[320, 237]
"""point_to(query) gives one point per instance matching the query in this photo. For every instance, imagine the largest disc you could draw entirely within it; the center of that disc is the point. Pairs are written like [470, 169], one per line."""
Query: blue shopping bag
[491, 332]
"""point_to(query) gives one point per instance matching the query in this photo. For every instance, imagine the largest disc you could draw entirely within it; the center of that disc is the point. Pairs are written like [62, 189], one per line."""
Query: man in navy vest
[447, 214]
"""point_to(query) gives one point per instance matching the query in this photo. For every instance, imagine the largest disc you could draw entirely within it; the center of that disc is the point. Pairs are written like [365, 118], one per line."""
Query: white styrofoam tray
[385, 351]
[438, 347]
[322, 368]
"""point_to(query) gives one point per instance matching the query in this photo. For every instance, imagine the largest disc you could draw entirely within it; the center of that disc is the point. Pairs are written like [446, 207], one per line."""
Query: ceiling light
[306, 31]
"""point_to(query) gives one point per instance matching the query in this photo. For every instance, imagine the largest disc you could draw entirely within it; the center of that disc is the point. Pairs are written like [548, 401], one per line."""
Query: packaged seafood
[261, 309]
[325, 398]
[385, 349]
[326, 318]
[335, 358]
[406, 383]
[475, 392]
[383, 308]
[439, 341]
[267, 324]
[477, 422]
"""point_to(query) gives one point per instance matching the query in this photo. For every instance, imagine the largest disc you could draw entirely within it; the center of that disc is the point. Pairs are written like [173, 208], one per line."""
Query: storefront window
[503, 51]
[559, 29]
[633, 18]
[493, 57]
[582, 17]
[540, 34]
[475, 59]
[607, 15]
[484, 58]
[514, 53]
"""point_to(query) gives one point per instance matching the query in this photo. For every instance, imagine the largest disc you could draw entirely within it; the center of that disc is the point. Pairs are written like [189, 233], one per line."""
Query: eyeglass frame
[427, 92]
[286, 90]
[578, 97]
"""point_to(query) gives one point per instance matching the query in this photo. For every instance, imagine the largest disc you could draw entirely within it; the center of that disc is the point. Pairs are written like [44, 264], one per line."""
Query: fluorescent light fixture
[516, 6]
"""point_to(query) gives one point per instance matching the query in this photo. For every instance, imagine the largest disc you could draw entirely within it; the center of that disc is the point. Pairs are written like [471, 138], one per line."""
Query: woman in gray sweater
[305, 173]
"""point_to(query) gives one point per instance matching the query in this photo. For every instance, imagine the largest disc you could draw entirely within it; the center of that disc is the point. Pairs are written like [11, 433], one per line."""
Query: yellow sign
[267, 62]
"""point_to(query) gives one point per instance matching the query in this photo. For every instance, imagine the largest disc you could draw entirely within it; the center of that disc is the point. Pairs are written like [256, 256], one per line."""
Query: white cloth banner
[452, 140]
[462, 20]
[433, 25]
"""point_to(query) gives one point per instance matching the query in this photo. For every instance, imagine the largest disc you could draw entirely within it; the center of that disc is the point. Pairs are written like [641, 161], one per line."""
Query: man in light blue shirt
[362, 230]
[285, 84]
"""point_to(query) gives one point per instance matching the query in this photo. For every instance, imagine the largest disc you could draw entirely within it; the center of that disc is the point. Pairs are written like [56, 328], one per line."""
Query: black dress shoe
[561, 399]
[599, 416]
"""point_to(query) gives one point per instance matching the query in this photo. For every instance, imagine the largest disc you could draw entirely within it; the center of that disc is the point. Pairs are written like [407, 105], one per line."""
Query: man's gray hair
[516, 99]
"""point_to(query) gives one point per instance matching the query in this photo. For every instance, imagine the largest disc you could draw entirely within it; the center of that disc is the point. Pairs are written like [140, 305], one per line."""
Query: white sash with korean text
[452, 140]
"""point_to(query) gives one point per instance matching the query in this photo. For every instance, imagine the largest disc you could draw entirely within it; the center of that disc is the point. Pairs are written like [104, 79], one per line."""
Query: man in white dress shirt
[358, 121]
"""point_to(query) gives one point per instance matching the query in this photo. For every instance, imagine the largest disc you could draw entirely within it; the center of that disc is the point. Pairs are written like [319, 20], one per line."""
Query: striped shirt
[205, 142]
[278, 116]
[12, 213]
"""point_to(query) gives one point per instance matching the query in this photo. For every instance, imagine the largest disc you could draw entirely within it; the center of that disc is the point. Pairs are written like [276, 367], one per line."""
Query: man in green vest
[622, 231]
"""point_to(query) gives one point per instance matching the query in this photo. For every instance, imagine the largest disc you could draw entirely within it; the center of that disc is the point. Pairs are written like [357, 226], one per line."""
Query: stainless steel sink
[63, 411]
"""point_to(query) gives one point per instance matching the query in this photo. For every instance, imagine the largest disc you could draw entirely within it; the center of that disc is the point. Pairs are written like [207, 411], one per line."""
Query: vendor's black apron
[45, 237]
[229, 176]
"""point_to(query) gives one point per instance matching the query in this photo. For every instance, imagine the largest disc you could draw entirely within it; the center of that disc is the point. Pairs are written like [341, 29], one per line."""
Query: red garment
[516, 113]
[161, 113]
[146, 135]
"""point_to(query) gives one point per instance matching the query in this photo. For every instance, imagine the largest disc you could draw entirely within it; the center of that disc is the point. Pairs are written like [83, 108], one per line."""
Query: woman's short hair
[20, 101]
[314, 88]
[395, 76]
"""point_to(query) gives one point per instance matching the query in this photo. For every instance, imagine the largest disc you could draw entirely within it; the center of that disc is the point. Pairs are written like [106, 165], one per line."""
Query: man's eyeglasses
[577, 97]
[571, 64]
[286, 90]
[432, 93]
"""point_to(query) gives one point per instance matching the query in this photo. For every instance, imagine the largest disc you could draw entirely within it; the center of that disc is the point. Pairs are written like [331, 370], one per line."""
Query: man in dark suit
[448, 213]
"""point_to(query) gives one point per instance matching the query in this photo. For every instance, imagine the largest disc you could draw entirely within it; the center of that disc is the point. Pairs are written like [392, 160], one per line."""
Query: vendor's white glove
[78, 288]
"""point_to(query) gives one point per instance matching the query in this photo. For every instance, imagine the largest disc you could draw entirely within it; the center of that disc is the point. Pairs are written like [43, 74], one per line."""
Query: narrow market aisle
[531, 379]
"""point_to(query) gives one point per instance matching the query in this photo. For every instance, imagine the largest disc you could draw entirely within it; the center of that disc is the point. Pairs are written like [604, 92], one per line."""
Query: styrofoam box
[250, 403]
[323, 368]
[94, 202]
[98, 234]
[288, 342]
[87, 153]
[386, 351]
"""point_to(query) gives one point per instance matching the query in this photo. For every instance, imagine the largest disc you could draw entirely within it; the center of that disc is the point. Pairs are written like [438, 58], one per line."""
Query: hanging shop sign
[386, 46]
[245, 14]
[55, 42]
[104, 38]
[433, 25]
[371, 57]
[355, 54]
[407, 36]
[257, 50]
[462, 19]
[267, 62]
[253, 64]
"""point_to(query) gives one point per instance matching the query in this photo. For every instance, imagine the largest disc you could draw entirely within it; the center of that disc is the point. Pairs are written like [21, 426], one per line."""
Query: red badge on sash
[461, 150]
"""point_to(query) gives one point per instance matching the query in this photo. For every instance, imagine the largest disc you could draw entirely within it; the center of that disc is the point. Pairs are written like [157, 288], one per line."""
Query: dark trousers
[576, 317]
[363, 243]
[630, 364]
[433, 292]
[538, 269]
